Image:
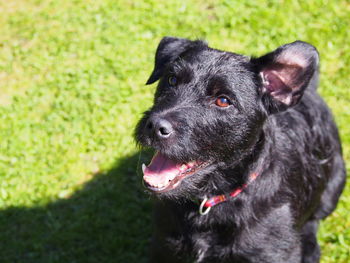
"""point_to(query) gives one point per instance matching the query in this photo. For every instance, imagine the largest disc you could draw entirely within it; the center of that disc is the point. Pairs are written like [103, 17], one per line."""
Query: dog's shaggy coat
[230, 116]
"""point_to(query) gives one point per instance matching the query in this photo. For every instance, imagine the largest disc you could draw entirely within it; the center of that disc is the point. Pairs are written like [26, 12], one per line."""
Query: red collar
[208, 203]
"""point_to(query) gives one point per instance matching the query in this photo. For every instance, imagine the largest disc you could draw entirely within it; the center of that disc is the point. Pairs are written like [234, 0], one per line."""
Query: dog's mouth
[164, 174]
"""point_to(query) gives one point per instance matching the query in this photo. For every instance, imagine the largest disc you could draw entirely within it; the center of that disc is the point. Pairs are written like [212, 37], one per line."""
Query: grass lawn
[72, 77]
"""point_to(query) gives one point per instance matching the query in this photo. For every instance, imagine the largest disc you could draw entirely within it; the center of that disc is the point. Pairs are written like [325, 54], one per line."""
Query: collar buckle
[206, 211]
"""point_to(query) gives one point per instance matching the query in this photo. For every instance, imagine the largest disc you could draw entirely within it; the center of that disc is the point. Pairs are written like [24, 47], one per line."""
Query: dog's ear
[285, 73]
[168, 50]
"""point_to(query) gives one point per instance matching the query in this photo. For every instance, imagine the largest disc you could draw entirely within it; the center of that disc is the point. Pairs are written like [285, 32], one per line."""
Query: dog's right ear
[168, 50]
[285, 74]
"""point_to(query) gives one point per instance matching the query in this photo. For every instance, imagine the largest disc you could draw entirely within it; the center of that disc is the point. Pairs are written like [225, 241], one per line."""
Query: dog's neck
[240, 175]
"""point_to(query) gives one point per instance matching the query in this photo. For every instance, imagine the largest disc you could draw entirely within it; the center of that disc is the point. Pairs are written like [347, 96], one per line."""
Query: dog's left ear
[169, 49]
[286, 72]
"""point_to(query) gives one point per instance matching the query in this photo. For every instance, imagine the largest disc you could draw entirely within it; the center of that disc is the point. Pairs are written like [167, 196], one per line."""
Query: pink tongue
[160, 170]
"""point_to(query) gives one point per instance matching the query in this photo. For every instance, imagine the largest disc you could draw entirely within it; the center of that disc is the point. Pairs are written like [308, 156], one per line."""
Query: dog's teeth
[143, 167]
[191, 164]
[183, 167]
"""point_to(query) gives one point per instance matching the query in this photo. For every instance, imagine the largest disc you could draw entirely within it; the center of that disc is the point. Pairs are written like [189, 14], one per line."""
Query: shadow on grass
[107, 221]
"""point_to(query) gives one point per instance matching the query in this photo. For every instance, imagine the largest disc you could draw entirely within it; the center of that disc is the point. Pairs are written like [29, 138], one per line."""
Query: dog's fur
[276, 125]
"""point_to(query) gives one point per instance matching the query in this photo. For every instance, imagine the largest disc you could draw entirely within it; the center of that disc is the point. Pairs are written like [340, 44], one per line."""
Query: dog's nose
[161, 127]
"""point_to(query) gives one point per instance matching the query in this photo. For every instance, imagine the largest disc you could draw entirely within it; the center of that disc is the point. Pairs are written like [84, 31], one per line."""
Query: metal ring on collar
[206, 211]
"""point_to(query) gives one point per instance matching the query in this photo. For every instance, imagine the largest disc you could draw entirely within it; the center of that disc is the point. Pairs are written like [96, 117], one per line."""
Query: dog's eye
[172, 80]
[222, 102]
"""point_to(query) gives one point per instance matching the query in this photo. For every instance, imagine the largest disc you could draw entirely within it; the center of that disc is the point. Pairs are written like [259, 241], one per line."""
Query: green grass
[72, 77]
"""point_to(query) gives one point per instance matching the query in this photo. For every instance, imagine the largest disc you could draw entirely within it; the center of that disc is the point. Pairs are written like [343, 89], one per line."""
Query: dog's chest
[204, 243]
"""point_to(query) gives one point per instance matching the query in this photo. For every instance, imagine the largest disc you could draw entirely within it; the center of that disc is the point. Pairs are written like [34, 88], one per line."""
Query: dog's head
[210, 107]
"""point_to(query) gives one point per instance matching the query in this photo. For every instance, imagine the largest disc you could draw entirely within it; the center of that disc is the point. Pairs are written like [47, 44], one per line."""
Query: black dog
[248, 157]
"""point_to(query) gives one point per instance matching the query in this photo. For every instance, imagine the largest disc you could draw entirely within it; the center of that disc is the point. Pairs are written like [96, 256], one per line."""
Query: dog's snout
[160, 127]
